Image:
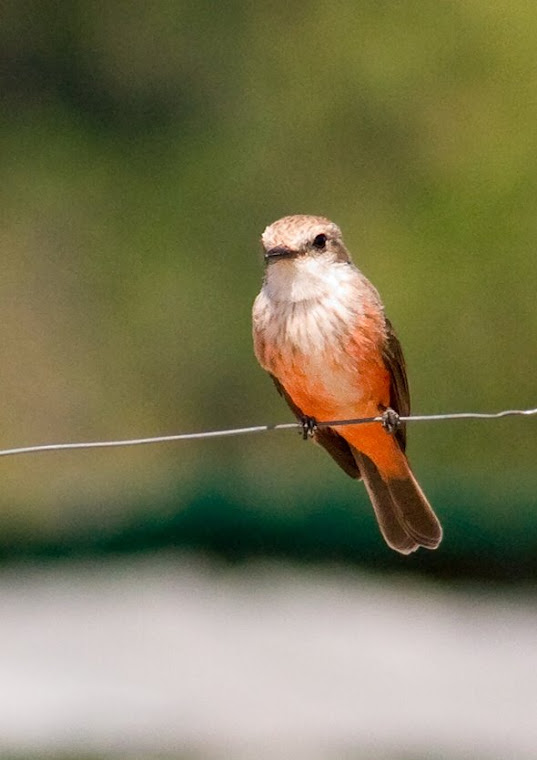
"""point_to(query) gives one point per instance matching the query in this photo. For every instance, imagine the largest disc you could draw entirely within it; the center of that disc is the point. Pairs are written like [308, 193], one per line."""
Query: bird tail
[405, 517]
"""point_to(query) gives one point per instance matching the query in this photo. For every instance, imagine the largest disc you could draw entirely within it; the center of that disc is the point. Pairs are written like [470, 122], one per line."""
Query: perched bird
[320, 331]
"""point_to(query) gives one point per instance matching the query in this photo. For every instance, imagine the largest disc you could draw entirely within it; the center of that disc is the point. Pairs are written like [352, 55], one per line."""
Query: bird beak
[279, 252]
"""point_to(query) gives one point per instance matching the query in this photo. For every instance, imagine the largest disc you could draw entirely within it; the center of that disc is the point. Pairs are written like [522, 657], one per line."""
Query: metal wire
[258, 429]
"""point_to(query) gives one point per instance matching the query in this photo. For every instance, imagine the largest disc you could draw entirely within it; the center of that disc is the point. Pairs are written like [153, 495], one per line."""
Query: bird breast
[316, 345]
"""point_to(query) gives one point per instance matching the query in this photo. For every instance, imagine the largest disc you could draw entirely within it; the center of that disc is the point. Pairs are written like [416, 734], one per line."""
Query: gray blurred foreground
[172, 657]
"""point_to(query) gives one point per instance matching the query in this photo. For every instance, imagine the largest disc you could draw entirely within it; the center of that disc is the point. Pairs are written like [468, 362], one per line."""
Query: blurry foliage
[144, 147]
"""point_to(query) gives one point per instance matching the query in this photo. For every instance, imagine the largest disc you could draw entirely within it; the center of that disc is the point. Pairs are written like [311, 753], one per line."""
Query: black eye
[319, 242]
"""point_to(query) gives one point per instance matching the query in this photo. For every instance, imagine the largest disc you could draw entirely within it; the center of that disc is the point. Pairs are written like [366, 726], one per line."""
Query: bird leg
[309, 426]
[390, 421]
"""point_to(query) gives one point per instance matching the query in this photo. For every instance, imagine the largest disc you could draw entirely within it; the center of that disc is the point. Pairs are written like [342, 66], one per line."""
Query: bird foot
[309, 426]
[390, 421]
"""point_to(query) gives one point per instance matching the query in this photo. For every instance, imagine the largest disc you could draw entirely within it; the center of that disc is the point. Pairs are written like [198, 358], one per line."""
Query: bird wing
[392, 355]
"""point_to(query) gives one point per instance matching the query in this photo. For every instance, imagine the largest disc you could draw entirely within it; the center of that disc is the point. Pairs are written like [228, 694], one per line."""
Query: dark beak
[279, 252]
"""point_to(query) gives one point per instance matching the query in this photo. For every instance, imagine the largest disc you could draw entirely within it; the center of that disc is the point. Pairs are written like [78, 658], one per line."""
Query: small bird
[320, 332]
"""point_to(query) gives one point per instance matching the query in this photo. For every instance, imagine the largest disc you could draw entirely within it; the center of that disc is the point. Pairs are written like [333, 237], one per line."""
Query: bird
[320, 331]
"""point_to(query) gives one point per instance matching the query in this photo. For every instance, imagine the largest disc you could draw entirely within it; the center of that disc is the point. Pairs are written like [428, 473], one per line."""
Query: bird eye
[319, 242]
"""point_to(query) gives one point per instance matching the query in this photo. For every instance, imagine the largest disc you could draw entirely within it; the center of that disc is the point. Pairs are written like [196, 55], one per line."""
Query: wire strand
[258, 429]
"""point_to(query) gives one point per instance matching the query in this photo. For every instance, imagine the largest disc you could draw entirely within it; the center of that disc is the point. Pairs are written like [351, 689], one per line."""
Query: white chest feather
[308, 305]
[305, 319]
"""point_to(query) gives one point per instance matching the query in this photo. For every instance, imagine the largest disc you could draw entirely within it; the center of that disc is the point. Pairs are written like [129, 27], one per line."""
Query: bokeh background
[144, 148]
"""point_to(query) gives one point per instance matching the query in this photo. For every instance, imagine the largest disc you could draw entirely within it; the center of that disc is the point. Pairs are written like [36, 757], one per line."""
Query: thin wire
[258, 429]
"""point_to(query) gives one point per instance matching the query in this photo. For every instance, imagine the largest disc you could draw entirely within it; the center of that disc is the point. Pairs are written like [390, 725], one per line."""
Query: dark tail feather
[404, 515]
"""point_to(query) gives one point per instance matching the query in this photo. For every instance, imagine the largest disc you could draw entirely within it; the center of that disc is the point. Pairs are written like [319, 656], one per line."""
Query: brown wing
[337, 447]
[399, 393]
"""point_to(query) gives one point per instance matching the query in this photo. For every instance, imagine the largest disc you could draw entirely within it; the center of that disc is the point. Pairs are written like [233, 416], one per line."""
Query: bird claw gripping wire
[390, 421]
[309, 426]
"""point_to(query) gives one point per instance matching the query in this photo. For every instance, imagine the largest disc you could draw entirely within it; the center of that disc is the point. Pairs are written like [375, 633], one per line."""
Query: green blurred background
[144, 148]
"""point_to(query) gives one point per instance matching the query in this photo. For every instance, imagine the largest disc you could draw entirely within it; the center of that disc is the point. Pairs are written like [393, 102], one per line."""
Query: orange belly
[335, 387]
[319, 399]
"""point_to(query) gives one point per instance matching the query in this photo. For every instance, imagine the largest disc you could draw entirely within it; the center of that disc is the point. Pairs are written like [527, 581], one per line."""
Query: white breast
[307, 304]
